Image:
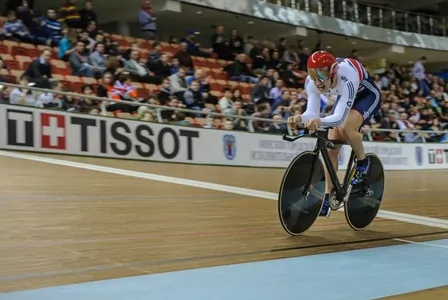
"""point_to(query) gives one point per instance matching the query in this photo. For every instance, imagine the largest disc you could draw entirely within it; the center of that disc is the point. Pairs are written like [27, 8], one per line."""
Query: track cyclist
[358, 99]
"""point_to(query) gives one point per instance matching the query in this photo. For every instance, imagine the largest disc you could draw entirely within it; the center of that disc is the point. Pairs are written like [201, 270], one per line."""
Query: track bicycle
[303, 186]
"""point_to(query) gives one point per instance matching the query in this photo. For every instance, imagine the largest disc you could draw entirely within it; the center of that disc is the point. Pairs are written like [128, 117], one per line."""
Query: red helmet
[322, 66]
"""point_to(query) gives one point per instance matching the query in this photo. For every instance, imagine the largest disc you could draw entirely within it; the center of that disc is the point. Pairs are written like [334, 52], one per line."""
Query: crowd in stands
[236, 76]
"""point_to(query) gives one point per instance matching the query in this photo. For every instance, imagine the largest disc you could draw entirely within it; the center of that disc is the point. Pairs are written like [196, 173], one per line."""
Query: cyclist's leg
[349, 131]
[363, 109]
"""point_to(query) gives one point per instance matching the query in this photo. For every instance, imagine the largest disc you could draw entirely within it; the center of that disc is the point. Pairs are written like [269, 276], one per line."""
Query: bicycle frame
[321, 146]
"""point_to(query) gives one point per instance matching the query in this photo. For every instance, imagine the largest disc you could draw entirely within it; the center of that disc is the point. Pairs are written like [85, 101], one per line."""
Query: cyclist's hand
[294, 120]
[313, 124]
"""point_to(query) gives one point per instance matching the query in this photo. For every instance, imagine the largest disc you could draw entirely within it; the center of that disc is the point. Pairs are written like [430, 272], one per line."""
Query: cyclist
[357, 100]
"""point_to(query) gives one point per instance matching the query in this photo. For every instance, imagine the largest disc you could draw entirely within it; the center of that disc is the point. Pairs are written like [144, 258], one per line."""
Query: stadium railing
[419, 134]
[373, 15]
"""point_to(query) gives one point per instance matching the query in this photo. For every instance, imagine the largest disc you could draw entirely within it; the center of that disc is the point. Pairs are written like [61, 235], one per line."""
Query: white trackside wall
[31, 129]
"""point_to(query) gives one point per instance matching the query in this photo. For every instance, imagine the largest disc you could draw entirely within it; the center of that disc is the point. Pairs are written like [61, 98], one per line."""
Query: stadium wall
[39, 130]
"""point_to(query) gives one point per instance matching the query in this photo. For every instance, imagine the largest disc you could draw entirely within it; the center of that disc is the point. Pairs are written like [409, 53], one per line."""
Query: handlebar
[292, 138]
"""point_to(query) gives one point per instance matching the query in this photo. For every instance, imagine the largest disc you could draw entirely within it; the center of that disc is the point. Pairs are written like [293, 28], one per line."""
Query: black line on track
[146, 264]
[357, 241]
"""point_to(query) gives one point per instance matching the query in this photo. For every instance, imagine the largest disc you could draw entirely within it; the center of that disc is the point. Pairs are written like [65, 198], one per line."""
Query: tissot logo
[20, 129]
[53, 131]
[125, 138]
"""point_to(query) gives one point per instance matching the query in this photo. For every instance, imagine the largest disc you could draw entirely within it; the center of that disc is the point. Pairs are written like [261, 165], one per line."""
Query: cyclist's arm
[313, 105]
[343, 105]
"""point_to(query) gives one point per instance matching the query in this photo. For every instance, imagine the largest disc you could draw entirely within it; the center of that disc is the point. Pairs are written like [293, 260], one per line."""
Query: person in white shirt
[23, 96]
[358, 99]
[226, 103]
[419, 73]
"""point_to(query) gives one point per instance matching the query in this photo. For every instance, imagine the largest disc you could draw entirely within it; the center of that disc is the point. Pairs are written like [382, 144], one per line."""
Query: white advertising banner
[30, 129]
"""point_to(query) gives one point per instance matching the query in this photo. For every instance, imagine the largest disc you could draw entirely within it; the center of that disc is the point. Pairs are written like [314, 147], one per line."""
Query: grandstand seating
[18, 56]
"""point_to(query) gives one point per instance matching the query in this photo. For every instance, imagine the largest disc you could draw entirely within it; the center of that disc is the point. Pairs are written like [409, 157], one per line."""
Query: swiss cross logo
[53, 131]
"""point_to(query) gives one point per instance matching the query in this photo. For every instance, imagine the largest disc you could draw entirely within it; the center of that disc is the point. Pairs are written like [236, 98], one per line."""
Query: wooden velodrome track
[57, 223]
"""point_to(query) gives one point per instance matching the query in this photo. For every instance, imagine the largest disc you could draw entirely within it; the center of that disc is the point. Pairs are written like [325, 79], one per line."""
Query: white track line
[408, 218]
[421, 243]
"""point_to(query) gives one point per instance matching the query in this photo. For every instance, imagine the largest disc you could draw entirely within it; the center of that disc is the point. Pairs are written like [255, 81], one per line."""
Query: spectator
[389, 122]
[277, 127]
[147, 21]
[113, 66]
[111, 46]
[69, 14]
[126, 55]
[178, 82]
[236, 44]
[227, 124]
[54, 27]
[23, 96]
[250, 42]
[87, 104]
[238, 123]
[184, 58]
[39, 71]
[65, 45]
[282, 101]
[220, 44]
[204, 81]
[162, 68]
[260, 91]
[419, 73]
[39, 33]
[139, 72]
[98, 58]
[174, 65]
[276, 91]
[405, 124]
[274, 63]
[154, 55]
[24, 12]
[290, 55]
[4, 94]
[291, 78]
[80, 62]
[259, 62]
[49, 99]
[192, 46]
[256, 51]
[226, 103]
[92, 30]
[303, 58]
[237, 95]
[121, 90]
[281, 46]
[165, 91]
[169, 115]
[87, 40]
[193, 98]
[87, 15]
[387, 79]
[14, 4]
[14, 30]
[106, 85]
[263, 111]
[239, 71]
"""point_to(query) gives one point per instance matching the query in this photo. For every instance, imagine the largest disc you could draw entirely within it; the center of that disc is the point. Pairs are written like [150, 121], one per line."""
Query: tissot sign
[84, 134]
[40, 130]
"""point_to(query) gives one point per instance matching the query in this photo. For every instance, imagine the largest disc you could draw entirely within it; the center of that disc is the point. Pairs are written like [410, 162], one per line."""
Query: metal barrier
[378, 16]
[158, 108]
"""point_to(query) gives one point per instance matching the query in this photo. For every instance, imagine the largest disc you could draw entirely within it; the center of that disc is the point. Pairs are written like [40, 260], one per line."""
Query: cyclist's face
[321, 83]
